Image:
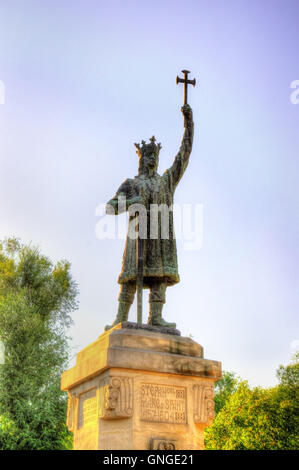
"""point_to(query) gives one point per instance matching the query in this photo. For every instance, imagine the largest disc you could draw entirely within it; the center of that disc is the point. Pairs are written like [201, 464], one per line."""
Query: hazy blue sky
[84, 80]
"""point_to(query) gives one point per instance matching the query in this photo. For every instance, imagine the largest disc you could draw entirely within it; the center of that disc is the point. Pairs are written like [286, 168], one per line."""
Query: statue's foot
[122, 314]
[161, 322]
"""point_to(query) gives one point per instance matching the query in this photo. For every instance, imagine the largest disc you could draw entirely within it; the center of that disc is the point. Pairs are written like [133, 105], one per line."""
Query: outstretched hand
[187, 111]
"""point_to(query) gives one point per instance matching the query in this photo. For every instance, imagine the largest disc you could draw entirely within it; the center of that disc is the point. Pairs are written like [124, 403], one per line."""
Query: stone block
[134, 389]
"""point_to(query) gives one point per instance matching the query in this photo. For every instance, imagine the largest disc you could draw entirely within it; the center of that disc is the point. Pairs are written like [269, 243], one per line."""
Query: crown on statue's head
[148, 148]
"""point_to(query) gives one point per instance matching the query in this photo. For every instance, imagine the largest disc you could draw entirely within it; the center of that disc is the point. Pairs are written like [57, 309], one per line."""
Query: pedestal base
[139, 389]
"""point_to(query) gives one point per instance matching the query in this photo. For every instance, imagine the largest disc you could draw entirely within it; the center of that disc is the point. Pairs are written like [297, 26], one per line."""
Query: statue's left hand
[135, 200]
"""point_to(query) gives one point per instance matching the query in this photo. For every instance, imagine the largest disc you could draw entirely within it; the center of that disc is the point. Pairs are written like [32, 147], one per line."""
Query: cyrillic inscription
[163, 403]
[88, 408]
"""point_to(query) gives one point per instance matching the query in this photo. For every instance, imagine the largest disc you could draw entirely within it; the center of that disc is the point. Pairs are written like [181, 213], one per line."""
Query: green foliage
[259, 418]
[224, 388]
[49, 289]
[36, 299]
[289, 375]
[8, 434]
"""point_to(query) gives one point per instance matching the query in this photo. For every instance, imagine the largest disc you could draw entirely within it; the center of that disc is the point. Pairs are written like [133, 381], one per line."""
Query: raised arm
[181, 161]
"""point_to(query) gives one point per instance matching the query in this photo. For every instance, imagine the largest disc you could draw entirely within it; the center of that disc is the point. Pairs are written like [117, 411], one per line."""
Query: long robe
[160, 254]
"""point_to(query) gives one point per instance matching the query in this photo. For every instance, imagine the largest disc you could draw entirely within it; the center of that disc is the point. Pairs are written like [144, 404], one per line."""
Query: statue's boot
[122, 314]
[155, 316]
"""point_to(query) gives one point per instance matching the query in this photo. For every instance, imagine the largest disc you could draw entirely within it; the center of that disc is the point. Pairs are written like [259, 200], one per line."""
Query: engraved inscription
[163, 403]
[88, 408]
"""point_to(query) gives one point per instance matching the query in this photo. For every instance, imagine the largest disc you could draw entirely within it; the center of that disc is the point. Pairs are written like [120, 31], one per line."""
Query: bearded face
[150, 159]
[148, 155]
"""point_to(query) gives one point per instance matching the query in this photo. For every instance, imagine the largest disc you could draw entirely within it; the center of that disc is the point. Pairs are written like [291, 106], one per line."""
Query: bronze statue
[151, 262]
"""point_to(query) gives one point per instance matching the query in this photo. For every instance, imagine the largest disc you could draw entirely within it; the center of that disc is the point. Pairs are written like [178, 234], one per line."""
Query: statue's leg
[126, 297]
[156, 301]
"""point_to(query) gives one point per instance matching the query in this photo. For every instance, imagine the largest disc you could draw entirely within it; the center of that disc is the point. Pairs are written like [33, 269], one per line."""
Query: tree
[259, 418]
[36, 299]
[224, 388]
[289, 375]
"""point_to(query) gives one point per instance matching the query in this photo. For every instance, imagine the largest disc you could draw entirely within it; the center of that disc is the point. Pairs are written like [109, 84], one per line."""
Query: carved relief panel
[203, 397]
[162, 444]
[72, 403]
[116, 398]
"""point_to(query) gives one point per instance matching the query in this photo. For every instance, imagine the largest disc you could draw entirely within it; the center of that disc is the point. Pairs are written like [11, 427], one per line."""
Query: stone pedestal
[139, 389]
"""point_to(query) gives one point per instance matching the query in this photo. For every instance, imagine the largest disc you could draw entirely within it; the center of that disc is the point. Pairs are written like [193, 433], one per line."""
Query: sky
[84, 80]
